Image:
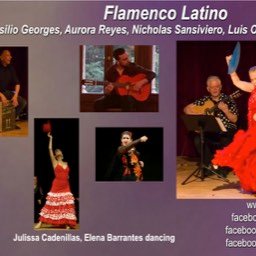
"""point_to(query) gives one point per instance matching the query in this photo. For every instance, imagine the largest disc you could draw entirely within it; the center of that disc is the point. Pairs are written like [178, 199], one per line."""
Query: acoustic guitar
[209, 106]
[124, 86]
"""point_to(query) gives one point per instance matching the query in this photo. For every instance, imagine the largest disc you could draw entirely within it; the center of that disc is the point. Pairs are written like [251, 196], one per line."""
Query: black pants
[126, 103]
[21, 101]
[212, 141]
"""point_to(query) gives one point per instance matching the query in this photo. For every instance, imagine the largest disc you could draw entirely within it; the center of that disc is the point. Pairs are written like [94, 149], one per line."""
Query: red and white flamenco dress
[240, 154]
[59, 208]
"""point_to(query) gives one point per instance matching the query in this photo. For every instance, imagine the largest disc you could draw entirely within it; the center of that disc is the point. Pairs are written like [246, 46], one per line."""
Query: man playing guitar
[224, 108]
[128, 98]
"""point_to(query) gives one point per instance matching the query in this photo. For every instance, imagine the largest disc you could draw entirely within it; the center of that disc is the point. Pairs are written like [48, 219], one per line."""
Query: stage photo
[56, 174]
[129, 154]
[216, 119]
[13, 91]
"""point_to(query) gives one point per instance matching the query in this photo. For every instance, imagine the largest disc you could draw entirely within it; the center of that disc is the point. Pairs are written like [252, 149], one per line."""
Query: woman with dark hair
[59, 209]
[127, 165]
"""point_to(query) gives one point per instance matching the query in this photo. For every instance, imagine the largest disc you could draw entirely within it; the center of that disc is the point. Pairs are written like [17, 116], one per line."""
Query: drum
[7, 117]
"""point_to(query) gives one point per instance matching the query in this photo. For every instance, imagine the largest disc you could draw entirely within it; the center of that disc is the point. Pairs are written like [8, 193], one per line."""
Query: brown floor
[210, 188]
[22, 132]
[50, 227]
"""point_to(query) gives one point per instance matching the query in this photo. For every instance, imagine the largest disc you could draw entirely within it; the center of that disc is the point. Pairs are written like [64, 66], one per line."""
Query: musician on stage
[9, 83]
[224, 108]
[122, 67]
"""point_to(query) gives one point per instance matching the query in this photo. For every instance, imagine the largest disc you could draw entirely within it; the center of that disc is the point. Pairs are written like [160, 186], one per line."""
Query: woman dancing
[241, 153]
[59, 209]
[127, 164]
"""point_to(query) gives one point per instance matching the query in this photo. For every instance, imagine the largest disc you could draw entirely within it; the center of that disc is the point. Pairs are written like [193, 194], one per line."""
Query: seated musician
[226, 110]
[125, 101]
[9, 84]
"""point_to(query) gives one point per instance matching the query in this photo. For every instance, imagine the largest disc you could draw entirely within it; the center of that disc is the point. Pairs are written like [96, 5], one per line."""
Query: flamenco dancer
[127, 163]
[241, 153]
[59, 209]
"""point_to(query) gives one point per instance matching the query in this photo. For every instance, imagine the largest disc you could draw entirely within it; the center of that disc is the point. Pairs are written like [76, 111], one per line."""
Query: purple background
[117, 208]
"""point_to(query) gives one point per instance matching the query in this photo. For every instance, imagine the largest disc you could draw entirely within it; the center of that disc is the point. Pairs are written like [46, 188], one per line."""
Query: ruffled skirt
[59, 209]
[240, 155]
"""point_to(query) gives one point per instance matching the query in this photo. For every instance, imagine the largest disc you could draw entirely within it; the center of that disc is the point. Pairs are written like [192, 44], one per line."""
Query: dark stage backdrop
[65, 134]
[196, 60]
[20, 63]
[151, 152]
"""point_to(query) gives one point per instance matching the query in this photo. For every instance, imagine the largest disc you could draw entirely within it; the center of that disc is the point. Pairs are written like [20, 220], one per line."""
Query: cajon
[7, 117]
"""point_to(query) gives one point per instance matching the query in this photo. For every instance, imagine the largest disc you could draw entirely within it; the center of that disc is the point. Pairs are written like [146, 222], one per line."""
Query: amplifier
[7, 117]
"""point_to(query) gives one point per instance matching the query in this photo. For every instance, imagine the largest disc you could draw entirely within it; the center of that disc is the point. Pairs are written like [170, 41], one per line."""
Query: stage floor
[55, 228]
[22, 132]
[210, 188]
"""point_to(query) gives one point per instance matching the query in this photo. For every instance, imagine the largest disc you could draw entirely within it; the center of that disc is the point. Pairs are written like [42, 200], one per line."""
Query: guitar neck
[104, 83]
[125, 86]
[234, 95]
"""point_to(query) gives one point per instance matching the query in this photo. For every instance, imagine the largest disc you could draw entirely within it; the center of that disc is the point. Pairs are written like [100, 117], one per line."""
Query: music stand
[201, 123]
